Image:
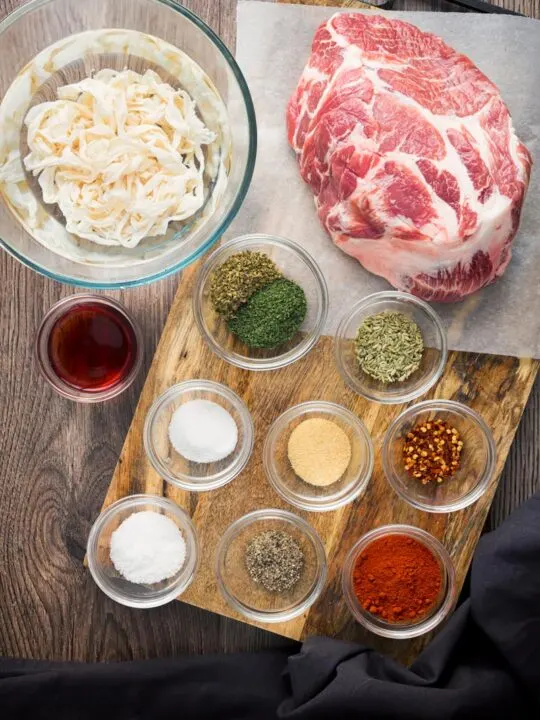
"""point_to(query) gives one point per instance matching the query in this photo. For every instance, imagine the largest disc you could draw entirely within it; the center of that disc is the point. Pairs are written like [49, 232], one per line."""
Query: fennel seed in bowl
[389, 346]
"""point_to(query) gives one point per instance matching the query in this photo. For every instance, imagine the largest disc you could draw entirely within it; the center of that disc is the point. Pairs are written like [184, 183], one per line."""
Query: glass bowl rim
[443, 405]
[63, 388]
[192, 546]
[300, 350]
[271, 616]
[214, 38]
[225, 476]
[401, 298]
[381, 627]
[361, 482]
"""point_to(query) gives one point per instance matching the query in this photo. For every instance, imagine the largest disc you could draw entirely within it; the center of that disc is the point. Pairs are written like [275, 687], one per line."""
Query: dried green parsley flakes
[241, 275]
[271, 316]
[389, 346]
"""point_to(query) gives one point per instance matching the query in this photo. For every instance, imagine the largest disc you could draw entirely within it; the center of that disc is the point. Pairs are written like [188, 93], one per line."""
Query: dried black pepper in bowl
[275, 560]
[270, 565]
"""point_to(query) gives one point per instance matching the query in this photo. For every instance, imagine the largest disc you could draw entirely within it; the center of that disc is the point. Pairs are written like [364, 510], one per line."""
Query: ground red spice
[397, 578]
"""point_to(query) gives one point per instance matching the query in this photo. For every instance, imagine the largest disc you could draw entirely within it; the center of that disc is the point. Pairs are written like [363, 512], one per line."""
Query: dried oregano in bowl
[241, 275]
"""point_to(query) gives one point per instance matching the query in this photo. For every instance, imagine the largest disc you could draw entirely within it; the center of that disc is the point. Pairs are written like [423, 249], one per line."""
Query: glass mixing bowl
[127, 38]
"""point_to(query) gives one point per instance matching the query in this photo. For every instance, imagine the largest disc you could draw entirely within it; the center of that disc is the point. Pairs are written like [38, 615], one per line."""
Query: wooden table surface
[57, 459]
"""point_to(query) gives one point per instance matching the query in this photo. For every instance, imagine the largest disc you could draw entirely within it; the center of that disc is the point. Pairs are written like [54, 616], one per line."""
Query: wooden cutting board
[496, 387]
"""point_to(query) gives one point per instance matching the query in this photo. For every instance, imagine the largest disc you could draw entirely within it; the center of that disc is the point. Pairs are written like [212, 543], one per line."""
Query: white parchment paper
[273, 44]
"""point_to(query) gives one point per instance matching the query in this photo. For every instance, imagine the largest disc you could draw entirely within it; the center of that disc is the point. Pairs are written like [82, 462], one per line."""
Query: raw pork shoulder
[410, 151]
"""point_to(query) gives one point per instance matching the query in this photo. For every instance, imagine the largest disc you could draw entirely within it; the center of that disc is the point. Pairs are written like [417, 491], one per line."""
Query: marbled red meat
[411, 154]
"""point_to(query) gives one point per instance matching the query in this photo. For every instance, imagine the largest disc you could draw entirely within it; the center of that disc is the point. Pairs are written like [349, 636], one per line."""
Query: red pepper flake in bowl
[397, 578]
[432, 451]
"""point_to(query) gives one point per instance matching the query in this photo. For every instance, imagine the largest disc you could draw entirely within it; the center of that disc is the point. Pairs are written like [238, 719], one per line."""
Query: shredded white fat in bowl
[121, 154]
[177, 168]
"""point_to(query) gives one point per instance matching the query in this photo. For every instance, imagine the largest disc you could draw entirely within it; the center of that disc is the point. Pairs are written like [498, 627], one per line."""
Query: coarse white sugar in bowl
[198, 435]
[143, 551]
[147, 548]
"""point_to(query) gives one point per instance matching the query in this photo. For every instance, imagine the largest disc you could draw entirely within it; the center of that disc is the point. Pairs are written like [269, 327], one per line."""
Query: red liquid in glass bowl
[88, 348]
[92, 346]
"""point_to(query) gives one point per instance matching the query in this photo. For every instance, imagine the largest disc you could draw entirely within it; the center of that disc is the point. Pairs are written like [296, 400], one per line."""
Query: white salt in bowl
[433, 359]
[111, 582]
[170, 464]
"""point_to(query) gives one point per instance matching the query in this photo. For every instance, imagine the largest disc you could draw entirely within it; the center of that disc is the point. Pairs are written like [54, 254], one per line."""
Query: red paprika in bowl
[399, 581]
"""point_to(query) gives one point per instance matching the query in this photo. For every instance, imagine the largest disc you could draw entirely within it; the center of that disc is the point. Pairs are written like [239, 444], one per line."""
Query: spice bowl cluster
[123, 192]
[260, 303]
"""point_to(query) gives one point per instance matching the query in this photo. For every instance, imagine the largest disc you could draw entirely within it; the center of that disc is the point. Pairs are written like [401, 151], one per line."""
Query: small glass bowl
[302, 494]
[113, 584]
[478, 458]
[170, 464]
[44, 361]
[433, 359]
[251, 599]
[440, 611]
[297, 265]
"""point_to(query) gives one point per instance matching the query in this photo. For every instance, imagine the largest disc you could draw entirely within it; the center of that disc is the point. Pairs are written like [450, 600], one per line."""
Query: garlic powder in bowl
[319, 451]
[318, 456]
